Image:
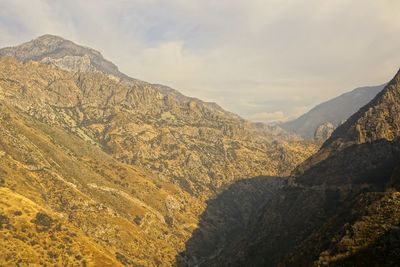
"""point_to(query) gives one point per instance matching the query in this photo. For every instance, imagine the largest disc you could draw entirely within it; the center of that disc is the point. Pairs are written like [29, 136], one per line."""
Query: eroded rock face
[72, 63]
[324, 131]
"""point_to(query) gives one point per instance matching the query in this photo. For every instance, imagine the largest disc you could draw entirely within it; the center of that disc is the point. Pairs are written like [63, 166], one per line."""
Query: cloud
[285, 55]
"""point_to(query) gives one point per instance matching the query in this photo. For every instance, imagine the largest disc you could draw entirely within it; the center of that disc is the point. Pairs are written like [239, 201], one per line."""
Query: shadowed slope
[341, 202]
[225, 217]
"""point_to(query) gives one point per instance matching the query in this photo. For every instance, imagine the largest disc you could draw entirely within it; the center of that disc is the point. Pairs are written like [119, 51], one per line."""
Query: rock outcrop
[323, 132]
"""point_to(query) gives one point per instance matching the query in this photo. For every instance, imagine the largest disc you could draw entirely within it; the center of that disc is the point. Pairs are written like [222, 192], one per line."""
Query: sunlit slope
[33, 235]
[124, 211]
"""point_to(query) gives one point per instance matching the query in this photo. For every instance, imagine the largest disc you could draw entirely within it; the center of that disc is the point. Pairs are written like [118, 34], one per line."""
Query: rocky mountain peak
[65, 54]
[49, 39]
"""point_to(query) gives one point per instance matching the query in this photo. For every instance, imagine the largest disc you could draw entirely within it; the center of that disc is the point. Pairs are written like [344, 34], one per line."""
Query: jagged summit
[45, 44]
[50, 38]
[62, 53]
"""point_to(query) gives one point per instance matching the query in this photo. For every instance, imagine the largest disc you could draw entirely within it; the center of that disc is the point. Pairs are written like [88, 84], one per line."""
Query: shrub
[43, 220]
[4, 221]
[17, 213]
[121, 258]
[137, 220]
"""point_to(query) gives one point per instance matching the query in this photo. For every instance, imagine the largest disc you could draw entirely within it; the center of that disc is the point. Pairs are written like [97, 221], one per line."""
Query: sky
[266, 60]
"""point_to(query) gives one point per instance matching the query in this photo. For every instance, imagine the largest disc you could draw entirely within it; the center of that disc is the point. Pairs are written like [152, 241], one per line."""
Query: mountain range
[93, 158]
[101, 169]
[195, 144]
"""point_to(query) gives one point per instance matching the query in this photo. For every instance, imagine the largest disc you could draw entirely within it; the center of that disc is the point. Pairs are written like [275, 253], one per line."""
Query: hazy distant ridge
[333, 111]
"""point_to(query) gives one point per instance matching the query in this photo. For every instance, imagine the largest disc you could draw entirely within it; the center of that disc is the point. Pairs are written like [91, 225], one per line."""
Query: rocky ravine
[341, 207]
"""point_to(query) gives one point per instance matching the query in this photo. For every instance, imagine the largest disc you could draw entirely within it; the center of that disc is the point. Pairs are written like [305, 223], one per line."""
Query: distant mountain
[334, 111]
[341, 206]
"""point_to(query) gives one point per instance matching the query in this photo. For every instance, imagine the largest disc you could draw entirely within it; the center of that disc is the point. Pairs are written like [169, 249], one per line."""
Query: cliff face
[341, 207]
[195, 144]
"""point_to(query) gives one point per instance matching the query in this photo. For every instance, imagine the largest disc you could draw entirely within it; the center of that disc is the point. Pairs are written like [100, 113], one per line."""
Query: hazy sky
[264, 59]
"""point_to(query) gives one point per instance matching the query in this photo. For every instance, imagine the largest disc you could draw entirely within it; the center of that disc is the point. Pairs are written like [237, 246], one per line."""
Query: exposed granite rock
[324, 131]
[72, 63]
[64, 53]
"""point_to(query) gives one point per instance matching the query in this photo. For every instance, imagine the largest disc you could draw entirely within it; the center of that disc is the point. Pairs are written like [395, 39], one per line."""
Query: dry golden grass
[32, 235]
[127, 213]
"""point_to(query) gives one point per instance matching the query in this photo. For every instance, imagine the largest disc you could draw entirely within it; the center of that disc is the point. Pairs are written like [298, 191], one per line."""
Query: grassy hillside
[123, 210]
